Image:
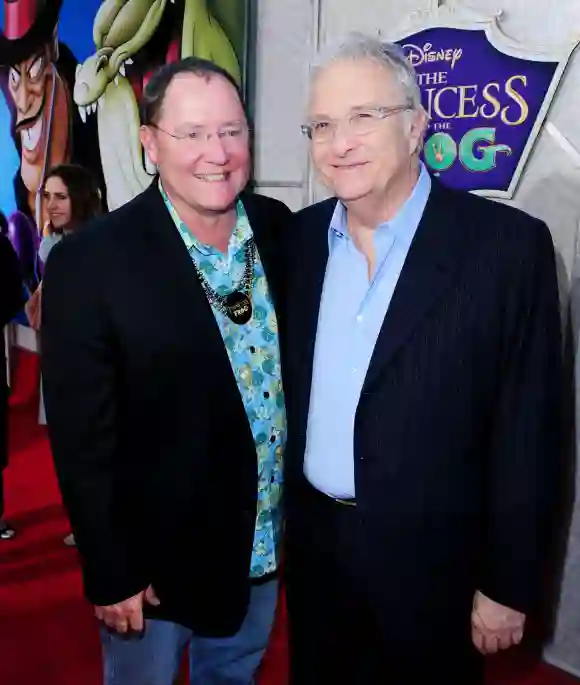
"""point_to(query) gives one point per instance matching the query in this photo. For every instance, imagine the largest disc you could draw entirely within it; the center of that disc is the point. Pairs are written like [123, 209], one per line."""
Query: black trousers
[1, 495]
[3, 435]
[337, 633]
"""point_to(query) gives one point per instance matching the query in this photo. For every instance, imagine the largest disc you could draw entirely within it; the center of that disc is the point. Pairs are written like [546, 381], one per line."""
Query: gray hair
[358, 45]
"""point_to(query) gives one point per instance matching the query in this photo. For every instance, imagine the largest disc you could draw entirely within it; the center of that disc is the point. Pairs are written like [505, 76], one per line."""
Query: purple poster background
[466, 58]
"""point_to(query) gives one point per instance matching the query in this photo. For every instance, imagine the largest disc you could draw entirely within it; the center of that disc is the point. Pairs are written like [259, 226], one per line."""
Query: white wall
[549, 189]
[286, 38]
[284, 46]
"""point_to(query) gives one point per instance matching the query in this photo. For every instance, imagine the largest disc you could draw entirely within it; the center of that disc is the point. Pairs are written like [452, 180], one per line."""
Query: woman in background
[11, 301]
[71, 197]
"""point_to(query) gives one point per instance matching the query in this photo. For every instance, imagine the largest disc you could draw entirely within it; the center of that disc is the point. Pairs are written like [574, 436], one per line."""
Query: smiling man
[423, 390]
[164, 399]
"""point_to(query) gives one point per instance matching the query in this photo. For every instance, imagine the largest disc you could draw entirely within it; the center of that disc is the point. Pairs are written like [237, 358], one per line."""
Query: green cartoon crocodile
[121, 28]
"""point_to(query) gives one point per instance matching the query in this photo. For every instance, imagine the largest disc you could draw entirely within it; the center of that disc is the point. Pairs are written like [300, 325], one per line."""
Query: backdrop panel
[71, 74]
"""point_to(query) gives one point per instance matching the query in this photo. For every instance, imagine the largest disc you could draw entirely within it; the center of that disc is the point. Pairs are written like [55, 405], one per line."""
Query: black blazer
[152, 447]
[11, 301]
[457, 427]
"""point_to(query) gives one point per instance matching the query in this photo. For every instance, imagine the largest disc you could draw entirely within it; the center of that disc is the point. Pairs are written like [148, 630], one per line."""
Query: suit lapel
[429, 269]
[309, 273]
[309, 247]
[173, 262]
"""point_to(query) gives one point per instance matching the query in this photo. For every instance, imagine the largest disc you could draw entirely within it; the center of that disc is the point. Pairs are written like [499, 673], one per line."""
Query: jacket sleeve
[79, 382]
[525, 450]
[11, 295]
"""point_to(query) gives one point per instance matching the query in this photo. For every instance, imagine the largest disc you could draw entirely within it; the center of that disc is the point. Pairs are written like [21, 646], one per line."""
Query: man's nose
[342, 140]
[215, 150]
[23, 96]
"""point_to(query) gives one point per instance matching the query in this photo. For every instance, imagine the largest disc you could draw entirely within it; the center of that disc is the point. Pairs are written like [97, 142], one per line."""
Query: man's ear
[149, 143]
[418, 129]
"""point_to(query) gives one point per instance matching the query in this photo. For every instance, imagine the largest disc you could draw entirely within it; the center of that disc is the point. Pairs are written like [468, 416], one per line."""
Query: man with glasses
[422, 385]
[164, 398]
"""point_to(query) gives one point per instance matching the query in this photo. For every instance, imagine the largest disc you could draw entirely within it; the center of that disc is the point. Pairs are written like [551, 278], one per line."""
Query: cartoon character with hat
[37, 94]
[37, 74]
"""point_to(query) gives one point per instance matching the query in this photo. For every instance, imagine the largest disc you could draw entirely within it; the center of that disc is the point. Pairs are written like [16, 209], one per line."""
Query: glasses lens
[362, 123]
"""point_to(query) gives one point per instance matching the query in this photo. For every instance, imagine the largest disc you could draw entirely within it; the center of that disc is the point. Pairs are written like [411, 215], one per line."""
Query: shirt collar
[401, 227]
[240, 235]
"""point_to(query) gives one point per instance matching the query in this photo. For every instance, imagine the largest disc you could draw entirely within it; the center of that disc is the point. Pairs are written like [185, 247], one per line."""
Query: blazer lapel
[173, 262]
[429, 269]
[308, 276]
[309, 246]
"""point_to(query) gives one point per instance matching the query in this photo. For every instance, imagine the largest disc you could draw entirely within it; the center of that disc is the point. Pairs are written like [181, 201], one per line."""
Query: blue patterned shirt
[255, 358]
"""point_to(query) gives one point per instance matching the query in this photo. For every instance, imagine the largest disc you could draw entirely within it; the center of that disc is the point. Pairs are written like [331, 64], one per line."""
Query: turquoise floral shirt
[255, 358]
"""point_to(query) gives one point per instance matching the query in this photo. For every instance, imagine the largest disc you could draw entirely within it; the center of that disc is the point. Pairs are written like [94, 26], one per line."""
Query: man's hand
[127, 615]
[494, 626]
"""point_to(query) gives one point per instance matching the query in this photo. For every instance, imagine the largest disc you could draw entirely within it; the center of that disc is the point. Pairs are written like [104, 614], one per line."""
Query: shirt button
[252, 349]
[353, 370]
[272, 438]
[359, 318]
[266, 394]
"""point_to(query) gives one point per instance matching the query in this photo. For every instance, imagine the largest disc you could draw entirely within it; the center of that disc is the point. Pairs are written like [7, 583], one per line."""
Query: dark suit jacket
[11, 301]
[152, 447]
[457, 428]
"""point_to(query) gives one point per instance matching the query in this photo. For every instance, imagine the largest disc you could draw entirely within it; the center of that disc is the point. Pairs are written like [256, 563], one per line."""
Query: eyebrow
[191, 124]
[29, 61]
[357, 108]
[235, 122]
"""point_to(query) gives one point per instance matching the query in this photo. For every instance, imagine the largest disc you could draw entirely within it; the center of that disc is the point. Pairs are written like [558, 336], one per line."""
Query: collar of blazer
[158, 223]
[438, 247]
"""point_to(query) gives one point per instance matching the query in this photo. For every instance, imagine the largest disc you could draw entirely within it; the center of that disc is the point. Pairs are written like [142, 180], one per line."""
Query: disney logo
[417, 55]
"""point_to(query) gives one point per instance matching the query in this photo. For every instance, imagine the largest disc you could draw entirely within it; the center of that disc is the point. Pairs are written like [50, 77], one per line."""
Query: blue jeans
[155, 659]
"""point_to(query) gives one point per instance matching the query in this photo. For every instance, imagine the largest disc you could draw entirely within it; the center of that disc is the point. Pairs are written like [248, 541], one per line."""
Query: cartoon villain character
[37, 78]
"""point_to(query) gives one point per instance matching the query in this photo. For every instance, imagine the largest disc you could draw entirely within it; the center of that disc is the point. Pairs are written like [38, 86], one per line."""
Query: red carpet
[47, 633]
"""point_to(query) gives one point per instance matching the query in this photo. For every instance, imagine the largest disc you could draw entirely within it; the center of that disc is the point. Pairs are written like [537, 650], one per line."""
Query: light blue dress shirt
[352, 311]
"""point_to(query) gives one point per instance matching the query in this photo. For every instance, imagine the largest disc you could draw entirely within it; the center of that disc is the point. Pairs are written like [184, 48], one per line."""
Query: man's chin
[346, 194]
[219, 199]
[346, 190]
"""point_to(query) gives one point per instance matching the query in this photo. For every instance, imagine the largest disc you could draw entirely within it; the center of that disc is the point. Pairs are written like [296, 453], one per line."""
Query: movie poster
[485, 107]
[71, 74]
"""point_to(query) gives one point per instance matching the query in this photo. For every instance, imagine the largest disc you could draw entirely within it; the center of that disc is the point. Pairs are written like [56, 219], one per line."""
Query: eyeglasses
[201, 134]
[358, 123]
